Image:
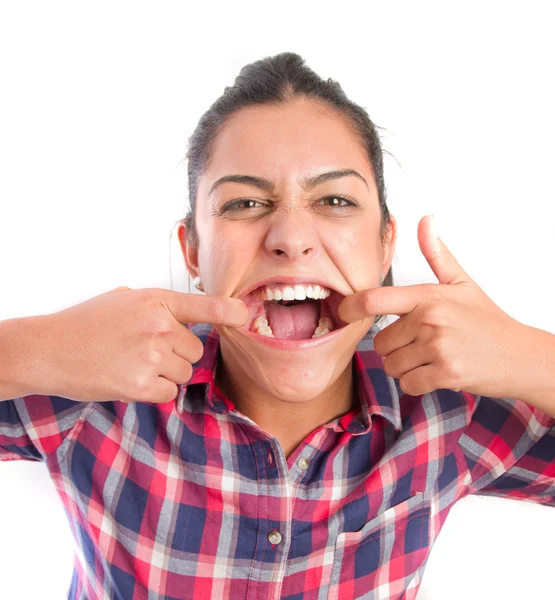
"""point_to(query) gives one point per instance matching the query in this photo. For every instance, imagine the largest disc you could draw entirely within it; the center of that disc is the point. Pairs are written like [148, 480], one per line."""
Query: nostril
[279, 252]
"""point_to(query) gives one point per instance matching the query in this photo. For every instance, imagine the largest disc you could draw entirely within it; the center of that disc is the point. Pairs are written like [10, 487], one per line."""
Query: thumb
[443, 263]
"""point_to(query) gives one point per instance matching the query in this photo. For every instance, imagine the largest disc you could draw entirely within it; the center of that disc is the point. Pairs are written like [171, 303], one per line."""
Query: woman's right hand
[128, 345]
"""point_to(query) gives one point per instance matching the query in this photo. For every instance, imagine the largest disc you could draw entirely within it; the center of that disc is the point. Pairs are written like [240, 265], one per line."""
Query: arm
[21, 356]
[534, 382]
[129, 345]
[509, 447]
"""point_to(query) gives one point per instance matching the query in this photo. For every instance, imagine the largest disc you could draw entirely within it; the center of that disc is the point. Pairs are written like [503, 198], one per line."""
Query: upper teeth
[297, 292]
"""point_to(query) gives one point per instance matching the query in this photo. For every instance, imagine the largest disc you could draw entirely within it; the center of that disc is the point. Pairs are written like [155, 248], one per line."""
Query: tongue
[294, 321]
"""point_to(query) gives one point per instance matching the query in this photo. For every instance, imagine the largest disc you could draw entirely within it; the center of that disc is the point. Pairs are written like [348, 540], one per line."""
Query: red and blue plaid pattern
[191, 499]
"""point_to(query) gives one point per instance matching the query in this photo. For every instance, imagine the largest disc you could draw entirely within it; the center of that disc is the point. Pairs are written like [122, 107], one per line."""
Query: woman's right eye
[242, 204]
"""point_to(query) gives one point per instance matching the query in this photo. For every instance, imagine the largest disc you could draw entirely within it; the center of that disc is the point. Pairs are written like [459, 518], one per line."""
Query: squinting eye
[338, 201]
[249, 203]
[242, 204]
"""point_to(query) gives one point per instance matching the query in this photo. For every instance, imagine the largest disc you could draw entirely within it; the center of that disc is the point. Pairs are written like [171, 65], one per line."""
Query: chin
[297, 386]
[293, 372]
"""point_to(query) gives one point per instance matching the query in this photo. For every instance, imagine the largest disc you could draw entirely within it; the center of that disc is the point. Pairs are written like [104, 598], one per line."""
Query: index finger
[218, 310]
[389, 300]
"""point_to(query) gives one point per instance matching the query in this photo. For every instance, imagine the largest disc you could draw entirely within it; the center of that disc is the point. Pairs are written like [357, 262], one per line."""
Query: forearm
[21, 356]
[536, 384]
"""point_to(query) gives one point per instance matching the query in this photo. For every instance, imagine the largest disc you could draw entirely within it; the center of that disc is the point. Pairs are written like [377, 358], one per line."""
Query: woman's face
[277, 230]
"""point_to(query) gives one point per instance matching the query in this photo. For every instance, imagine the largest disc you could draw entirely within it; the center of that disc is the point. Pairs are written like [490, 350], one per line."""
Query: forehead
[285, 142]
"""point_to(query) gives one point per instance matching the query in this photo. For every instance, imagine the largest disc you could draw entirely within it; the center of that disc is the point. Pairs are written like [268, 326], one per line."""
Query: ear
[190, 251]
[389, 244]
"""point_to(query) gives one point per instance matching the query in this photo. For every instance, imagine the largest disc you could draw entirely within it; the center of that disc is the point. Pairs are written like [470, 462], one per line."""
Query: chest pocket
[378, 561]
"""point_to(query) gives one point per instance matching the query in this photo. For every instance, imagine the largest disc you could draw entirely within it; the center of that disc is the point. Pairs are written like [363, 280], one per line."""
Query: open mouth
[293, 312]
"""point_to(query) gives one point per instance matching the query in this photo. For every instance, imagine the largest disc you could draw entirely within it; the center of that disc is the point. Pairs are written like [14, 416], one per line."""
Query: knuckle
[454, 370]
[368, 304]
[164, 327]
[435, 313]
[139, 386]
[430, 313]
[150, 356]
[159, 327]
[438, 346]
[154, 357]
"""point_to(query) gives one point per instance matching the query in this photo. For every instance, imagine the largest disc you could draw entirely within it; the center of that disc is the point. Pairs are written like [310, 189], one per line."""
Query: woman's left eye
[338, 201]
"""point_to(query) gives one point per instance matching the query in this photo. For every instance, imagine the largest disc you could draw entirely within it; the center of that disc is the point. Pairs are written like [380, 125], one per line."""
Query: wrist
[536, 381]
[23, 355]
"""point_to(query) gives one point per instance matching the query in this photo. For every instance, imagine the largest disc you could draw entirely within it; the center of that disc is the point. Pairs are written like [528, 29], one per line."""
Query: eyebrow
[307, 183]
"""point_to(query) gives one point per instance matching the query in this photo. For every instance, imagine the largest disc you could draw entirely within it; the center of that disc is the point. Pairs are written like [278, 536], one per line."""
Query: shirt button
[303, 464]
[274, 537]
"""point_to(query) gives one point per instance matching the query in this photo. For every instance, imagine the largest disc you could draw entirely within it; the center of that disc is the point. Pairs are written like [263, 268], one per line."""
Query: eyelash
[235, 204]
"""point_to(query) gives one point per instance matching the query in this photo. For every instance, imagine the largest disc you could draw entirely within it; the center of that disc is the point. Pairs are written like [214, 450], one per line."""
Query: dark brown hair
[279, 79]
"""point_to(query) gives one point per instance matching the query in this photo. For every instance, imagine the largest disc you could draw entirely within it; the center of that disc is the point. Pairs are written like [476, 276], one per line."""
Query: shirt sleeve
[509, 447]
[34, 427]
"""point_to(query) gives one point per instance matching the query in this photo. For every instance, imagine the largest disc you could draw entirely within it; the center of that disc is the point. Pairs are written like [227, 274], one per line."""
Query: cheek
[357, 252]
[225, 252]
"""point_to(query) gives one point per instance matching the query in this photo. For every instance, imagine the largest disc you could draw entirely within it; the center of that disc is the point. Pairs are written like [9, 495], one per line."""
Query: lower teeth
[320, 332]
[261, 327]
[324, 326]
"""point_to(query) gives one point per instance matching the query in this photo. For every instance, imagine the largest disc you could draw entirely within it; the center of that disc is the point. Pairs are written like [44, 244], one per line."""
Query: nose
[291, 235]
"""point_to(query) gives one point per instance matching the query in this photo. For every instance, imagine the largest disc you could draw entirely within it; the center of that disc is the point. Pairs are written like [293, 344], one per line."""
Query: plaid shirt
[191, 499]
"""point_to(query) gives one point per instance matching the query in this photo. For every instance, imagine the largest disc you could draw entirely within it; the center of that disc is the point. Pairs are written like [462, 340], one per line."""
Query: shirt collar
[378, 392]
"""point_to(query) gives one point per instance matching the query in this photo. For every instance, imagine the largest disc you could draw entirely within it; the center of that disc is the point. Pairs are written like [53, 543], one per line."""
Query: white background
[96, 104]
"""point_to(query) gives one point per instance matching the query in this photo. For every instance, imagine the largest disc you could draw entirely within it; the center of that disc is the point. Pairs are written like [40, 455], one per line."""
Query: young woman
[282, 446]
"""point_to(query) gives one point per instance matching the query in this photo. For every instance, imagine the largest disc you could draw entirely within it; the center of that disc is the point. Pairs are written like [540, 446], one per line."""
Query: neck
[288, 421]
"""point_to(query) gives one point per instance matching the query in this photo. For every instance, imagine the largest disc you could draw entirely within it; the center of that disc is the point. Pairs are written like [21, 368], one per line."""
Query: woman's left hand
[449, 335]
